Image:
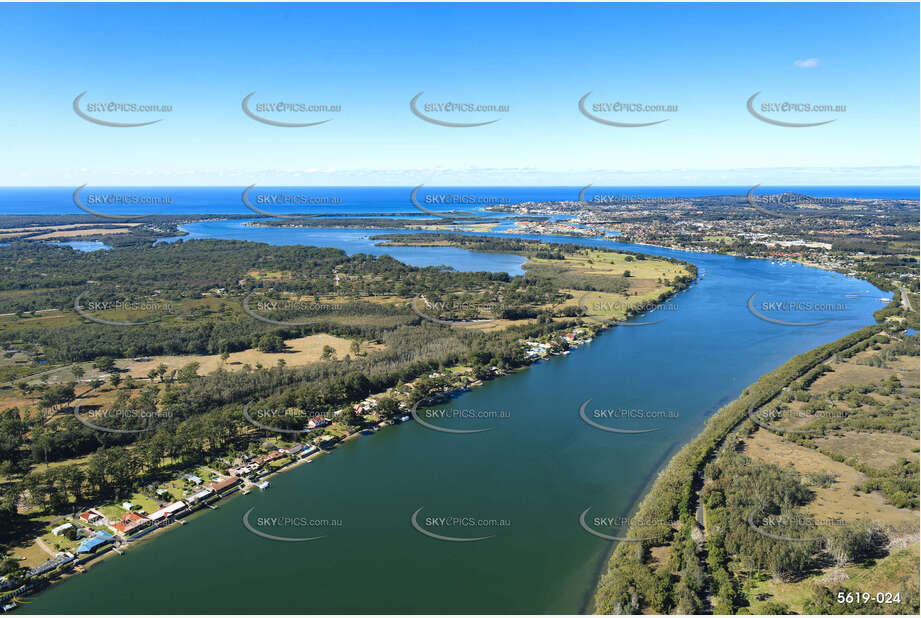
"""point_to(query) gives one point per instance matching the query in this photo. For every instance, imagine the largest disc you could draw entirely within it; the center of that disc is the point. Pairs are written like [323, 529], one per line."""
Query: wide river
[523, 484]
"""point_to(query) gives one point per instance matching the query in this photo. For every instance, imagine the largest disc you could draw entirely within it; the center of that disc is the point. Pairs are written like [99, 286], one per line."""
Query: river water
[523, 483]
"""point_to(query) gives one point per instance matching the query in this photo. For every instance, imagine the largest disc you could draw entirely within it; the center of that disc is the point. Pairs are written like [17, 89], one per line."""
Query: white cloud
[808, 63]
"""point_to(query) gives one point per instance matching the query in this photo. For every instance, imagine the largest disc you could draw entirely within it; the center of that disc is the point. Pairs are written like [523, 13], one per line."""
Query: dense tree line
[178, 419]
[672, 496]
[178, 276]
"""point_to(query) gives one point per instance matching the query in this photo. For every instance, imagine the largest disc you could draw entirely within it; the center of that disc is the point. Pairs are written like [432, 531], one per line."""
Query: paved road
[906, 302]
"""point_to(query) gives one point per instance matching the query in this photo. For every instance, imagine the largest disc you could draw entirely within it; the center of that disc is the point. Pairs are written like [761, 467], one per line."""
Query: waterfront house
[243, 470]
[167, 512]
[319, 421]
[198, 496]
[272, 456]
[92, 516]
[222, 484]
[91, 544]
[130, 523]
[308, 450]
[327, 441]
[294, 450]
[96, 541]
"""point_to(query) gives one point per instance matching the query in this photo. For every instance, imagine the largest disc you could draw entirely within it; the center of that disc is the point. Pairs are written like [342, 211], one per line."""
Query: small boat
[403, 419]
[263, 485]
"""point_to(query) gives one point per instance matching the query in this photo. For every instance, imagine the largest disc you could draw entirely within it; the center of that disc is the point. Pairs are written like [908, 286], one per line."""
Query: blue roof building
[95, 542]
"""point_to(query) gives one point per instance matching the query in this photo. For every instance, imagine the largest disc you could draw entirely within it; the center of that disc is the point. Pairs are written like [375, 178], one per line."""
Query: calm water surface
[535, 471]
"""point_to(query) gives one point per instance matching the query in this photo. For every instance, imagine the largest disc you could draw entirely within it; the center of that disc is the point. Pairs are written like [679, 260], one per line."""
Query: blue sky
[538, 59]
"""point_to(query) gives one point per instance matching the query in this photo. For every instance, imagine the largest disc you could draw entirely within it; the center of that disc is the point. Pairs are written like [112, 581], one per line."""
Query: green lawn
[113, 512]
[142, 501]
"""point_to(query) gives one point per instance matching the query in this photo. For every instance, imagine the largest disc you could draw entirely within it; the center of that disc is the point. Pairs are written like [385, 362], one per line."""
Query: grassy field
[879, 450]
[613, 263]
[459, 227]
[883, 576]
[67, 226]
[72, 230]
[839, 500]
[643, 286]
[30, 554]
[490, 326]
[151, 309]
[300, 352]
[80, 232]
[850, 374]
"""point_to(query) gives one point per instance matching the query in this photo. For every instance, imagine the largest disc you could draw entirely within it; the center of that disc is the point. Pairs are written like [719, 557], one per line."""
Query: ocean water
[368, 200]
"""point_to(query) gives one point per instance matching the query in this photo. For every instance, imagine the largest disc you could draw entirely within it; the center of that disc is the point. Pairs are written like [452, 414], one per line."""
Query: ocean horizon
[386, 199]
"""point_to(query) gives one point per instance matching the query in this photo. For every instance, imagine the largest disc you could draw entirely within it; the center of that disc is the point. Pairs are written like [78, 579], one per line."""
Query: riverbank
[85, 564]
[458, 382]
[672, 498]
[616, 368]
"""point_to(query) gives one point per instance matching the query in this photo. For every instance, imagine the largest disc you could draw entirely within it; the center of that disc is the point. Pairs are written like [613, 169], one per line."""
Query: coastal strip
[672, 496]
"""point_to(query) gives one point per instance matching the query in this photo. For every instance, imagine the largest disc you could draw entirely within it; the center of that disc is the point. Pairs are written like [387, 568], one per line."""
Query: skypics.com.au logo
[113, 311]
[107, 204]
[773, 417]
[605, 112]
[613, 419]
[104, 112]
[289, 528]
[464, 416]
[120, 420]
[435, 112]
[278, 201]
[763, 309]
[286, 307]
[467, 312]
[272, 112]
[602, 310]
[432, 199]
[456, 523]
[641, 529]
[785, 108]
